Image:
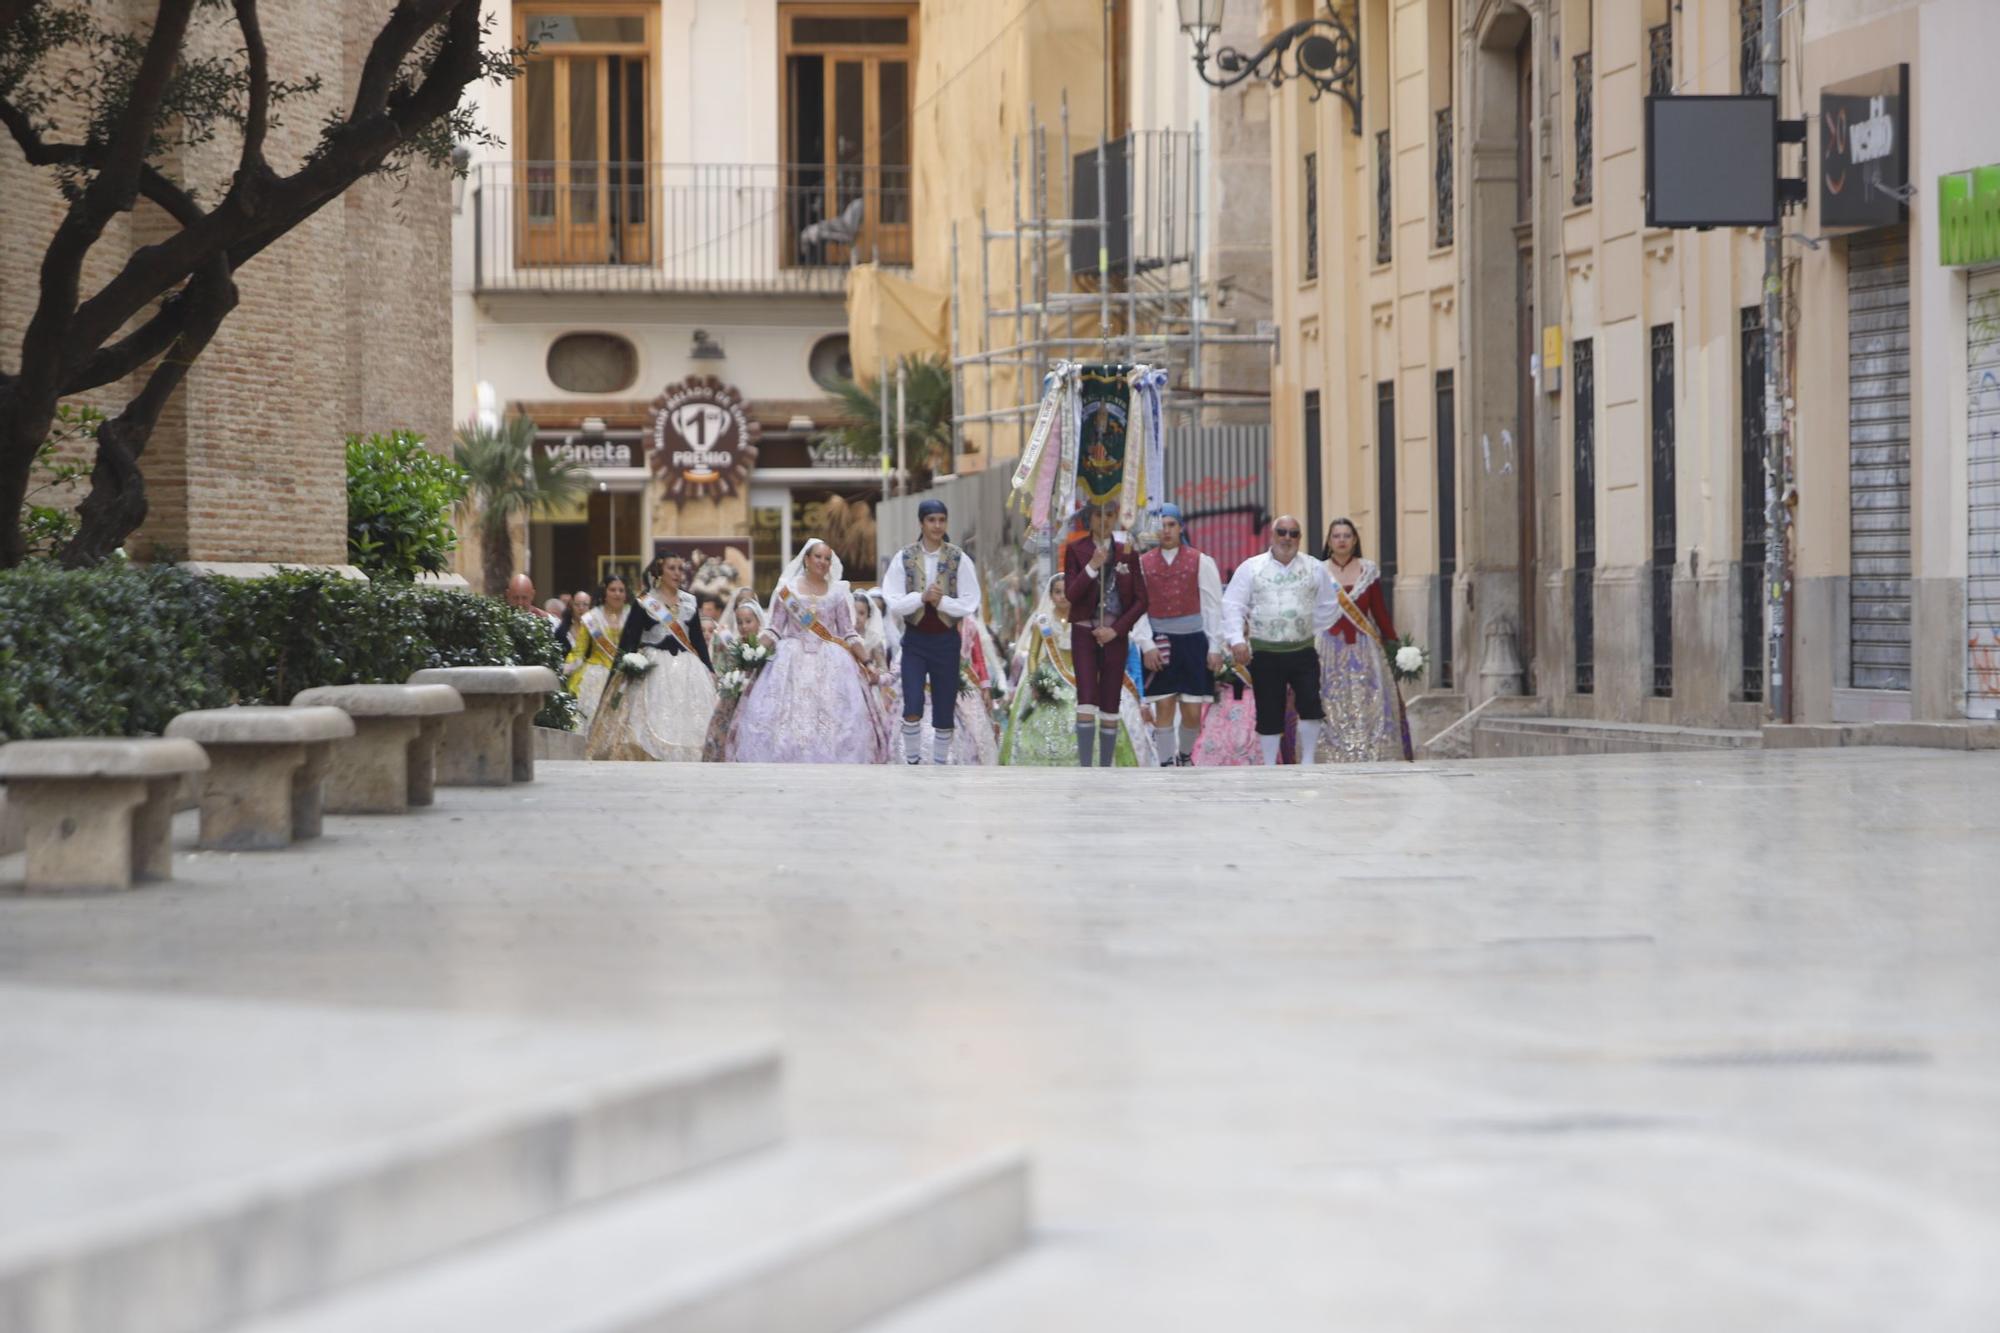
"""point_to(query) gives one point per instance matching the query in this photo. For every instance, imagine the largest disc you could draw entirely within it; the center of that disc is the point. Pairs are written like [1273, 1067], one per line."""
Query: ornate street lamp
[1322, 50]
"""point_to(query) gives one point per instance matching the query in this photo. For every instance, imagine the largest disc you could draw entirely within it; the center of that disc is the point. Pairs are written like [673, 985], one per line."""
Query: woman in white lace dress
[662, 715]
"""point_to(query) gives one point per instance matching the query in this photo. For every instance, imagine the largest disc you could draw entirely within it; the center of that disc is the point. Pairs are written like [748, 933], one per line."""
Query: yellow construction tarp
[890, 317]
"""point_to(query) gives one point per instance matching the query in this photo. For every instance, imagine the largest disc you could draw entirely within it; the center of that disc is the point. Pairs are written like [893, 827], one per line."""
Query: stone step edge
[1701, 737]
[918, 1238]
[537, 1157]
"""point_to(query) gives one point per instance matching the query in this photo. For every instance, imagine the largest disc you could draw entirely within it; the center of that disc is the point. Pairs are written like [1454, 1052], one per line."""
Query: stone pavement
[1647, 1042]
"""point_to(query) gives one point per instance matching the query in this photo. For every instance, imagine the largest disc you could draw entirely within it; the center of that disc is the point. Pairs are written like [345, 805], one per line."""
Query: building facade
[342, 327]
[1547, 418]
[653, 267]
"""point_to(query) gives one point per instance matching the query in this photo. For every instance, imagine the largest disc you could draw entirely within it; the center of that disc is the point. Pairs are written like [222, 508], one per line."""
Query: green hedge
[119, 650]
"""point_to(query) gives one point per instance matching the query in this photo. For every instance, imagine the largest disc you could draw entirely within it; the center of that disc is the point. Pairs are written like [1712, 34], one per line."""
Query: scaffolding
[1145, 304]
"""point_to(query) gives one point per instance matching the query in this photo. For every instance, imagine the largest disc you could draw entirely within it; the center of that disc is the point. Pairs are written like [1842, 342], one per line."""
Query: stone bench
[391, 764]
[266, 772]
[492, 743]
[97, 814]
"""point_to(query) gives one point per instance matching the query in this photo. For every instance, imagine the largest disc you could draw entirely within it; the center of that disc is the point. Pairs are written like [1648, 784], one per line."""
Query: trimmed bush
[399, 501]
[119, 650]
[113, 651]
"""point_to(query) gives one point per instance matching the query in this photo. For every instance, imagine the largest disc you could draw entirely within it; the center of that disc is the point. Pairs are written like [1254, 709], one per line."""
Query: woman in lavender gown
[811, 704]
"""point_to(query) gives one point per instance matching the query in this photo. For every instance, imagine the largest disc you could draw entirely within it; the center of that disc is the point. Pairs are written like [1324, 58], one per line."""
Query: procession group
[1130, 658]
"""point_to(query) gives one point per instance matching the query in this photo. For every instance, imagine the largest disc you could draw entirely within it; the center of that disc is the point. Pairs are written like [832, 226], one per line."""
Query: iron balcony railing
[670, 227]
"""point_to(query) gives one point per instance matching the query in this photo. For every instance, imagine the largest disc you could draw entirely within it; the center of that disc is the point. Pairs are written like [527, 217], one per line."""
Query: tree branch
[34, 149]
[111, 190]
[258, 119]
[116, 504]
[392, 45]
[13, 11]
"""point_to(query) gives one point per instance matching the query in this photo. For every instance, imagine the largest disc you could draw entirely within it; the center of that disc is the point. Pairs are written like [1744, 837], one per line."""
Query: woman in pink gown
[1228, 736]
[811, 704]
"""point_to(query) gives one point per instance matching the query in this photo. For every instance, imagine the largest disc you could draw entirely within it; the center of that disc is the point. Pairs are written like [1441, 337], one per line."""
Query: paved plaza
[1632, 1043]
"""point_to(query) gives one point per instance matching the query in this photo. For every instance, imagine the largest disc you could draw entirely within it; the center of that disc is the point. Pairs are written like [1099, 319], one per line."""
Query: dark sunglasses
[1284, 532]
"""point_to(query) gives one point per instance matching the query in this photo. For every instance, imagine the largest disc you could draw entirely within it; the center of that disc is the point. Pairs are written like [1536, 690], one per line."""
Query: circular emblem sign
[704, 440]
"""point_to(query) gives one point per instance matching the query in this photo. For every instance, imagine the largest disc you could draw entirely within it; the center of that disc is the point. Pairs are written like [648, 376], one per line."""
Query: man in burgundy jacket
[1104, 604]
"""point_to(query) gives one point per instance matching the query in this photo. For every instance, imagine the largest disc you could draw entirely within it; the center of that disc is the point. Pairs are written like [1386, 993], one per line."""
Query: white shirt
[1238, 608]
[904, 602]
[1208, 577]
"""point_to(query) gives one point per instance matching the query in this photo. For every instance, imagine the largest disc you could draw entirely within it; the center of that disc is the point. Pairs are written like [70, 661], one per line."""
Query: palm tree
[507, 478]
[927, 414]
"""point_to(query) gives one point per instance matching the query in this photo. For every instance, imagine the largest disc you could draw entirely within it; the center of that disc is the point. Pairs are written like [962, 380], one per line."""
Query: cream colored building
[681, 190]
[1545, 414]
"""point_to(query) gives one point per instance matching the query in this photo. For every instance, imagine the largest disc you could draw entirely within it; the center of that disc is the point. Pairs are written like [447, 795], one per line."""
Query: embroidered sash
[1049, 645]
[599, 628]
[672, 619]
[809, 620]
[1355, 613]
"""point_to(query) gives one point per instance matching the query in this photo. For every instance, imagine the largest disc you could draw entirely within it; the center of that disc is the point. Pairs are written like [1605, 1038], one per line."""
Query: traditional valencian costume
[588, 666]
[1042, 715]
[930, 634]
[1278, 608]
[1113, 598]
[715, 745]
[1364, 710]
[811, 705]
[1184, 620]
[662, 715]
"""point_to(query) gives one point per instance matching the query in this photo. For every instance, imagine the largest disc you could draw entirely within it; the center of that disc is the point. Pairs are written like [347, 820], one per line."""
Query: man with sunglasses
[1276, 603]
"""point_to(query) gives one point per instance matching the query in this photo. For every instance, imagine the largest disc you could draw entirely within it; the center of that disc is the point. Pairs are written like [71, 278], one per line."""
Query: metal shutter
[1878, 462]
[1982, 566]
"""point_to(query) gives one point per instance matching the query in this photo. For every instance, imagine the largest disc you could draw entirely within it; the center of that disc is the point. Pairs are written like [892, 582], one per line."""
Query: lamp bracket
[1323, 50]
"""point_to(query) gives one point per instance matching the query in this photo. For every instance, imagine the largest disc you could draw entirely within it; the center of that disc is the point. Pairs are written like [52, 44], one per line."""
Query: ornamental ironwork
[1660, 60]
[1312, 215]
[1750, 20]
[1442, 170]
[1384, 207]
[1583, 514]
[1665, 509]
[1323, 50]
[1751, 483]
[1581, 77]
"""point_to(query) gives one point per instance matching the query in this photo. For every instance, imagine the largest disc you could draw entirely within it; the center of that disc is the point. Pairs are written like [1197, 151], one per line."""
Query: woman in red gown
[1364, 710]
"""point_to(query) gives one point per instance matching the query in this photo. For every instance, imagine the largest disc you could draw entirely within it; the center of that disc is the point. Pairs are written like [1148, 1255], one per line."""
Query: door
[1878, 461]
[584, 186]
[1982, 565]
[847, 132]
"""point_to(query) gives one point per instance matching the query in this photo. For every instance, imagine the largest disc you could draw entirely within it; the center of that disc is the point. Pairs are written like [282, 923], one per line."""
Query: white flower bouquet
[634, 665]
[752, 652]
[1408, 661]
[731, 684]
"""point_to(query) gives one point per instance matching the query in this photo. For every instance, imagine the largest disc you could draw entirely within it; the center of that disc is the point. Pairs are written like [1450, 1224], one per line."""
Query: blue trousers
[932, 657]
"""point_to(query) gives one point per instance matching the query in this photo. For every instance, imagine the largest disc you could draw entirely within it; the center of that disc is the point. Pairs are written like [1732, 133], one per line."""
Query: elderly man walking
[1277, 602]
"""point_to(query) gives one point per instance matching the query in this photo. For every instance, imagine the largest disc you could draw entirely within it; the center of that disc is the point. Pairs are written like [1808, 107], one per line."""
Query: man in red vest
[1106, 598]
[1184, 648]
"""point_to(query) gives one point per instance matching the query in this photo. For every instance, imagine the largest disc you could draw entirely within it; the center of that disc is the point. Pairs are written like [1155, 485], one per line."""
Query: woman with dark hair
[1364, 710]
[663, 713]
[594, 649]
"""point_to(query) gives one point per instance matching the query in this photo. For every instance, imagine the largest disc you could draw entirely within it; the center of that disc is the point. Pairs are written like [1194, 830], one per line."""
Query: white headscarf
[834, 582]
[725, 627]
[870, 625]
[892, 633]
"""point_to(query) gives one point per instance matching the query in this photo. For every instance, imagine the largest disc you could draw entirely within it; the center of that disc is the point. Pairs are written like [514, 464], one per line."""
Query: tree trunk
[116, 505]
[24, 427]
[496, 551]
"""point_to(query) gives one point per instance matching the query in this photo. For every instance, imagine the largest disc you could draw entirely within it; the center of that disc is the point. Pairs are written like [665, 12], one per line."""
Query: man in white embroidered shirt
[1276, 603]
[929, 586]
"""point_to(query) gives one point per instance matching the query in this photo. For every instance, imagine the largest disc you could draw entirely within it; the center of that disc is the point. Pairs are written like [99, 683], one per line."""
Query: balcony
[672, 227]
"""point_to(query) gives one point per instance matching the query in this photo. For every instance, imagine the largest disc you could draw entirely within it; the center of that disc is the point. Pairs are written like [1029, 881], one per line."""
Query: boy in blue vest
[929, 587]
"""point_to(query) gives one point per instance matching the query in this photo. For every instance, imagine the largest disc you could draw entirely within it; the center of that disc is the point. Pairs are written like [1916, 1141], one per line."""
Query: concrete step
[812, 1239]
[305, 1171]
[1505, 737]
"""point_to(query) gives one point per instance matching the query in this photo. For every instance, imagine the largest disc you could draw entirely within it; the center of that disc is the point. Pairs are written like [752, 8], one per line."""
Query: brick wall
[343, 325]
